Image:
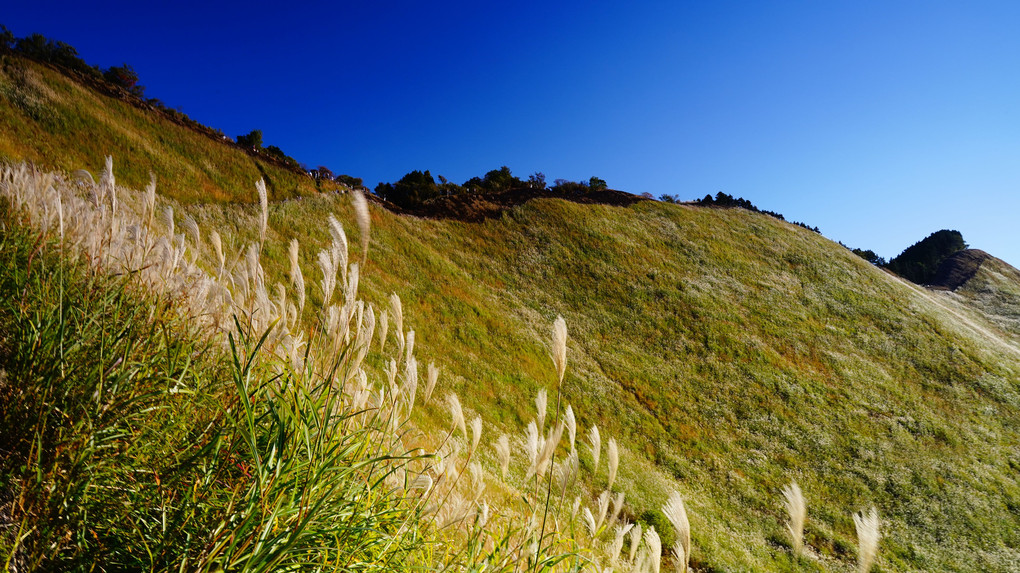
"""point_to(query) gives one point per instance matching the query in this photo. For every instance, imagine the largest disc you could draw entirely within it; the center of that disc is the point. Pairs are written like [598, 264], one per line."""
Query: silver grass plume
[191, 230]
[384, 325]
[456, 413]
[397, 310]
[589, 522]
[603, 500]
[614, 461]
[867, 539]
[596, 447]
[502, 448]
[297, 279]
[150, 200]
[338, 248]
[680, 557]
[541, 406]
[476, 434]
[432, 375]
[797, 510]
[635, 541]
[571, 422]
[109, 183]
[616, 546]
[677, 515]
[533, 444]
[328, 283]
[260, 186]
[409, 349]
[617, 508]
[559, 347]
[168, 220]
[551, 441]
[410, 381]
[477, 480]
[654, 548]
[217, 245]
[364, 221]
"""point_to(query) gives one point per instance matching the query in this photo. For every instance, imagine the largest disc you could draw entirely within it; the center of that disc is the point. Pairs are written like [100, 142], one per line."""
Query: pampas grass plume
[797, 510]
[502, 448]
[541, 406]
[364, 221]
[571, 422]
[614, 461]
[867, 539]
[456, 413]
[676, 513]
[596, 447]
[559, 347]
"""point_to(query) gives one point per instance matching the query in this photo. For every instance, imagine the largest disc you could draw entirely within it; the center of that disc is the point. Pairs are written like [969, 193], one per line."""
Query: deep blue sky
[879, 122]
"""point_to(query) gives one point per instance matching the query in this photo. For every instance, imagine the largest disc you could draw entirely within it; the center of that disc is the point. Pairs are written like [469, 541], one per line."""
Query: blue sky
[879, 122]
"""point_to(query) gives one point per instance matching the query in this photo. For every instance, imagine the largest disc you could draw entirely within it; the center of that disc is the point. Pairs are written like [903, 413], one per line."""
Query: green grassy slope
[58, 123]
[728, 352]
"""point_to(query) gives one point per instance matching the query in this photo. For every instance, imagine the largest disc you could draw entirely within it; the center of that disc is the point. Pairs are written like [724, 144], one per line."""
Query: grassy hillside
[732, 353]
[727, 351]
[58, 123]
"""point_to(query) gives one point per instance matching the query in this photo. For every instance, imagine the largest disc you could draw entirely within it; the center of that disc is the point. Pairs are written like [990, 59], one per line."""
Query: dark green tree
[124, 77]
[597, 184]
[253, 140]
[920, 261]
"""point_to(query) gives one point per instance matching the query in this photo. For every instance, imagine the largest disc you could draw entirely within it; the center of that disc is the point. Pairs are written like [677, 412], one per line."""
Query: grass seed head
[676, 513]
[559, 347]
[867, 539]
[796, 508]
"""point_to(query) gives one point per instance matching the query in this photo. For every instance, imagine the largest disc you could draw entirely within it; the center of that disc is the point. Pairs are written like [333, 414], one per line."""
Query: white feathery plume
[559, 347]
[409, 348]
[676, 513]
[260, 186]
[796, 508]
[297, 279]
[456, 413]
[476, 434]
[109, 182]
[680, 557]
[616, 546]
[168, 220]
[571, 423]
[364, 221]
[654, 548]
[551, 441]
[589, 522]
[432, 375]
[614, 460]
[410, 381]
[502, 448]
[617, 508]
[603, 500]
[384, 325]
[596, 447]
[477, 480]
[150, 200]
[397, 311]
[533, 446]
[541, 406]
[867, 539]
[328, 283]
[635, 541]
[338, 249]
[217, 244]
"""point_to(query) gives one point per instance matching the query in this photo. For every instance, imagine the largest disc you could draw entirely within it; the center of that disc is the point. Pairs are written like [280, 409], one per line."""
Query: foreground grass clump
[164, 416]
[133, 441]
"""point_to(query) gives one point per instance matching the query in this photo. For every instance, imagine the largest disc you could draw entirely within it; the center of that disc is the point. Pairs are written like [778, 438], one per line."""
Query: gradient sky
[879, 122]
